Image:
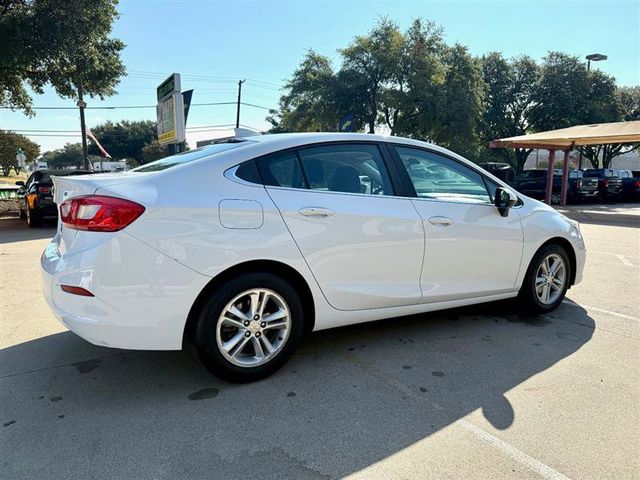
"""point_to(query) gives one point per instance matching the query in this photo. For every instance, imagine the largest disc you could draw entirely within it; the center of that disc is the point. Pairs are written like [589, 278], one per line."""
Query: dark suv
[609, 182]
[533, 183]
[36, 195]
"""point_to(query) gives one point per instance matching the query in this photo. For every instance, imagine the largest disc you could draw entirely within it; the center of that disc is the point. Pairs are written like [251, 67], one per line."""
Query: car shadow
[14, 229]
[614, 215]
[350, 397]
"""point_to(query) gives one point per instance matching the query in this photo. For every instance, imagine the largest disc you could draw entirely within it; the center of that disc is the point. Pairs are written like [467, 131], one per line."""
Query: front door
[471, 250]
[363, 245]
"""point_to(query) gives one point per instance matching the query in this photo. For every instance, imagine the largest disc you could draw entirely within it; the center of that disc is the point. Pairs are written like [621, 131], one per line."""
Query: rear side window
[281, 169]
[349, 168]
[248, 172]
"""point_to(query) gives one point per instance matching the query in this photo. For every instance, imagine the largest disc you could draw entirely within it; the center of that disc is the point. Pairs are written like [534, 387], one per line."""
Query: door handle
[440, 221]
[315, 212]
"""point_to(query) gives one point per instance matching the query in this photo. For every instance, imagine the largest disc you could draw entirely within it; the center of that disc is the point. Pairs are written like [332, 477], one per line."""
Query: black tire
[205, 336]
[23, 214]
[33, 218]
[528, 296]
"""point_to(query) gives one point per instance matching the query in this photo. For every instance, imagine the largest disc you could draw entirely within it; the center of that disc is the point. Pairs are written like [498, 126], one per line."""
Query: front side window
[439, 178]
[347, 168]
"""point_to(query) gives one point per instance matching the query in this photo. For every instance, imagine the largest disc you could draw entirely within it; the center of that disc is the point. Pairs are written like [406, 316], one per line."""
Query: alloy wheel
[550, 279]
[253, 327]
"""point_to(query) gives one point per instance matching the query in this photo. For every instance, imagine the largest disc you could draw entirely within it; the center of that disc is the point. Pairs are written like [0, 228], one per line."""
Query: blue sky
[265, 41]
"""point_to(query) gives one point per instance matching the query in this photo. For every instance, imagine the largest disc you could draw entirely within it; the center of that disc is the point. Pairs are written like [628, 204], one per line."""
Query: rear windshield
[597, 173]
[190, 156]
[533, 173]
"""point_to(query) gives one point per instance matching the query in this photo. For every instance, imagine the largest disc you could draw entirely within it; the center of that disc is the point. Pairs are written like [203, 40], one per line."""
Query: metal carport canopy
[568, 138]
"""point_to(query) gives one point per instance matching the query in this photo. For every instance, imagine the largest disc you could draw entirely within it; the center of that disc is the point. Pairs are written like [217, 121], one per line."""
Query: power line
[116, 107]
[77, 132]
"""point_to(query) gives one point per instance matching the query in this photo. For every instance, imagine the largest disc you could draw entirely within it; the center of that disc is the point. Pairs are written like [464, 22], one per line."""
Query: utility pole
[83, 128]
[240, 82]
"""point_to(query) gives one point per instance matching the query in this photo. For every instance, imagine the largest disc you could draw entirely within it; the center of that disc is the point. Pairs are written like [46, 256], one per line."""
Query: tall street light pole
[240, 82]
[83, 127]
[595, 57]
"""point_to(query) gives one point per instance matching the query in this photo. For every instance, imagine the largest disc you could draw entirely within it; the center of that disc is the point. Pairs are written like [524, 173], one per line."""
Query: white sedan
[244, 246]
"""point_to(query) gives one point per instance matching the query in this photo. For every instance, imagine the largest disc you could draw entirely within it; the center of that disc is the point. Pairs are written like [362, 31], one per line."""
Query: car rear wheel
[547, 279]
[249, 327]
[33, 218]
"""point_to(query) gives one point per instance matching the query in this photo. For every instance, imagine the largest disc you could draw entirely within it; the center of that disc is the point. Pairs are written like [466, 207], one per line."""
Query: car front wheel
[547, 279]
[249, 327]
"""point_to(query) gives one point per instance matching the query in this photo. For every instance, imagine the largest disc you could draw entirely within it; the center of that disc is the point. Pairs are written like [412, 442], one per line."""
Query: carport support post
[549, 189]
[565, 178]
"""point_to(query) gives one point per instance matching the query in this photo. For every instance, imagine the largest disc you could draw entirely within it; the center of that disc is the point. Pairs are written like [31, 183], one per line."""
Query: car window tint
[281, 169]
[347, 168]
[439, 178]
[248, 172]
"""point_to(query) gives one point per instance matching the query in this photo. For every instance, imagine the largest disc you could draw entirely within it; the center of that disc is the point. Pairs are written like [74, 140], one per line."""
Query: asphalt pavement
[479, 392]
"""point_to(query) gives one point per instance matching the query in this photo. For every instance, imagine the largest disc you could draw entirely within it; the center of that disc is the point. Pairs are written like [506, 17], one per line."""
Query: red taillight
[44, 190]
[637, 183]
[76, 290]
[98, 213]
[605, 183]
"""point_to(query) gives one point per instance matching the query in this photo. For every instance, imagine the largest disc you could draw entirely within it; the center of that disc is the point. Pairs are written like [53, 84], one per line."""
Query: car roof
[296, 139]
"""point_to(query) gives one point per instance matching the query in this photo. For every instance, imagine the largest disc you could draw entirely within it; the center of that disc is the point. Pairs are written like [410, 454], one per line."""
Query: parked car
[37, 196]
[294, 233]
[630, 184]
[8, 198]
[609, 182]
[534, 184]
[503, 171]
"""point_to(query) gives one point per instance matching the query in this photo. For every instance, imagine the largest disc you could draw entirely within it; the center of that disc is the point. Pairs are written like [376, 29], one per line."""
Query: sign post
[21, 158]
[170, 112]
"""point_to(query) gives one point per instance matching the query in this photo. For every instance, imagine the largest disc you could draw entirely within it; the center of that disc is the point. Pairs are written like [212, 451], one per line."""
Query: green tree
[9, 144]
[307, 105]
[68, 156]
[628, 103]
[629, 100]
[125, 139]
[567, 94]
[153, 151]
[509, 99]
[460, 103]
[63, 43]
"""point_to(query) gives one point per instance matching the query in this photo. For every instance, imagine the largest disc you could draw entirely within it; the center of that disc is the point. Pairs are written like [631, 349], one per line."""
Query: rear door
[471, 250]
[363, 244]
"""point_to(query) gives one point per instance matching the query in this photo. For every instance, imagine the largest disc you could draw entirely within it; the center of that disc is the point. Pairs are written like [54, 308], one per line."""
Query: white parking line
[623, 258]
[596, 309]
[519, 456]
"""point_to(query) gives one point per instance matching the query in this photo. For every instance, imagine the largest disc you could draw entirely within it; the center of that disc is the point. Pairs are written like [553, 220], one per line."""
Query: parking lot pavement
[479, 392]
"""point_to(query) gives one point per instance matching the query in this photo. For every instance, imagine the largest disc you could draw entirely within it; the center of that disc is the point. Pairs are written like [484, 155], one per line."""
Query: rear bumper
[142, 297]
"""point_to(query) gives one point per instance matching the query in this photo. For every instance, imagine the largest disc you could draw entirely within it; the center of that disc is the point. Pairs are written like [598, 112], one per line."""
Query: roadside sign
[346, 123]
[170, 111]
[169, 86]
[186, 98]
[170, 120]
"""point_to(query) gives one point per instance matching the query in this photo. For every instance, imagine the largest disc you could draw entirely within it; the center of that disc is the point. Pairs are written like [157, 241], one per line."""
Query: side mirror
[504, 200]
[20, 183]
